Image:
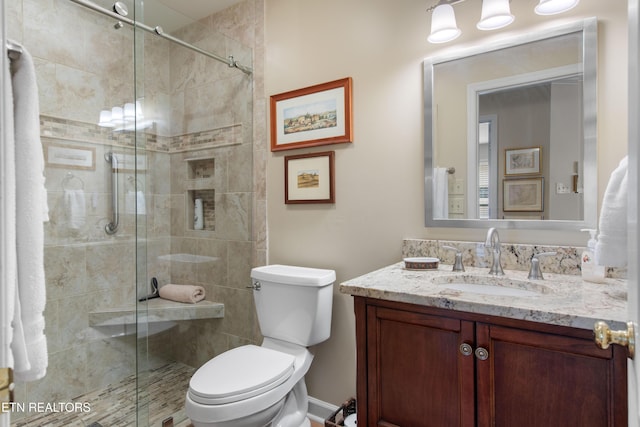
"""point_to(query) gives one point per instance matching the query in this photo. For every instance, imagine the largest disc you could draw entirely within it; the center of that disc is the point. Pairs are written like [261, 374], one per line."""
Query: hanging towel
[134, 202]
[75, 208]
[440, 193]
[8, 263]
[29, 344]
[611, 249]
[182, 293]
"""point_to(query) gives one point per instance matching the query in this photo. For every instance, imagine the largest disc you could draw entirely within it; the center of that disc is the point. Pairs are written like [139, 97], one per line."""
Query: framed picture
[316, 115]
[70, 156]
[526, 217]
[523, 195]
[309, 178]
[522, 161]
[131, 162]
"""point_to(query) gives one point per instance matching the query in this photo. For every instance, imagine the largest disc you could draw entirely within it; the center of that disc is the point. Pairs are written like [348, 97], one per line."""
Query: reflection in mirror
[525, 154]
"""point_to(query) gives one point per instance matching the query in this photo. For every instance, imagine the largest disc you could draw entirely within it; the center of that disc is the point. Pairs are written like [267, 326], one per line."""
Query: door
[634, 204]
[530, 378]
[418, 373]
[4, 305]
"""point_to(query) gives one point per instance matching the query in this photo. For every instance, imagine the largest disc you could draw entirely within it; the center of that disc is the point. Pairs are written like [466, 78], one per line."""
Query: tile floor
[115, 406]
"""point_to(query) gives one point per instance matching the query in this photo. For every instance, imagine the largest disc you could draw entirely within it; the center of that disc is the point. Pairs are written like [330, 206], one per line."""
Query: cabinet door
[534, 379]
[416, 373]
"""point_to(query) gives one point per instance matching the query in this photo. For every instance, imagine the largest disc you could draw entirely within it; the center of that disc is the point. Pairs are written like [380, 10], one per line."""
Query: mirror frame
[589, 29]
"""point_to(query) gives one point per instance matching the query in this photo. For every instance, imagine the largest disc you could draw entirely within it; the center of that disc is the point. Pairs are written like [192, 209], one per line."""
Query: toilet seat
[239, 374]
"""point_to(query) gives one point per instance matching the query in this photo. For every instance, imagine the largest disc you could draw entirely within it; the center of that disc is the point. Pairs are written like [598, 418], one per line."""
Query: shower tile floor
[115, 405]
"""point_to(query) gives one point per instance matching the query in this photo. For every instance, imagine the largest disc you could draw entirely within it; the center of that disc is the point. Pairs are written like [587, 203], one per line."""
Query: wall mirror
[510, 133]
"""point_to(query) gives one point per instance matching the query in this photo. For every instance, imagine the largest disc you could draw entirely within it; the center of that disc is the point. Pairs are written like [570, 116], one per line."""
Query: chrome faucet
[493, 242]
[457, 265]
[534, 272]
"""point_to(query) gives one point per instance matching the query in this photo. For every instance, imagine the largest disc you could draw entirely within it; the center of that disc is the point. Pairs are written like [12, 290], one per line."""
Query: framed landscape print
[523, 195]
[316, 115]
[309, 178]
[523, 161]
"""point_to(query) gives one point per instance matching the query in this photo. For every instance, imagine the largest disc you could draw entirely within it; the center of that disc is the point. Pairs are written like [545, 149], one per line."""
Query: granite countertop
[559, 299]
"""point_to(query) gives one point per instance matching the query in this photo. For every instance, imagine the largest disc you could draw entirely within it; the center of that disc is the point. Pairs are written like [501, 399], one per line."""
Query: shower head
[120, 8]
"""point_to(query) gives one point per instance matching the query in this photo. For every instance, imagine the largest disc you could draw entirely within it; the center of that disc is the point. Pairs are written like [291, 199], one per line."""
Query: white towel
[8, 263]
[29, 344]
[611, 249]
[134, 202]
[75, 208]
[440, 193]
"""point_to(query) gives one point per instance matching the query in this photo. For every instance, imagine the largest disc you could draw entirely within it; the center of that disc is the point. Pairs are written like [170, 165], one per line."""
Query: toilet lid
[239, 374]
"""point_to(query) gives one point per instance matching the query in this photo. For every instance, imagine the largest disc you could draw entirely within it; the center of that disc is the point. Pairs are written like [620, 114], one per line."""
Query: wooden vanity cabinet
[422, 366]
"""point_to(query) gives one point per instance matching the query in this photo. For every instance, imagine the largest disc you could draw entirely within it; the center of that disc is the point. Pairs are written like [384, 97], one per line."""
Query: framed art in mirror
[522, 161]
[523, 195]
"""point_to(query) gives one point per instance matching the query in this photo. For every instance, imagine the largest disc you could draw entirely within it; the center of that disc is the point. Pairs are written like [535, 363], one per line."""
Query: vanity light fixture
[443, 24]
[551, 7]
[126, 117]
[495, 14]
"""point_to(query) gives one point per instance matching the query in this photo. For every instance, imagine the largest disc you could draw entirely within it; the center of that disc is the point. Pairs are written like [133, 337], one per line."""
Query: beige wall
[379, 178]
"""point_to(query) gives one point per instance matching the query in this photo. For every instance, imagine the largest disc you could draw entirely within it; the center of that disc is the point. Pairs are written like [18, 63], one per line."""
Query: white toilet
[264, 386]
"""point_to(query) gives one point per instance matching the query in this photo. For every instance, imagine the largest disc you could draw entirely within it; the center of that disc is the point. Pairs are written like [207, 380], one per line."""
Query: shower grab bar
[232, 63]
[112, 227]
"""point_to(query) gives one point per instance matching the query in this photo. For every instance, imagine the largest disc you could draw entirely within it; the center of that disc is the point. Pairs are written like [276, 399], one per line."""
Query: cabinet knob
[466, 349]
[482, 353]
[604, 337]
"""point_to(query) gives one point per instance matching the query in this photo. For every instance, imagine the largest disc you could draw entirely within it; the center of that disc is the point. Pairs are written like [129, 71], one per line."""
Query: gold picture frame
[523, 161]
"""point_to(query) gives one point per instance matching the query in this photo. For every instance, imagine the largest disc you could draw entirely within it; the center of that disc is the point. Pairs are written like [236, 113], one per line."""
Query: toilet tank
[294, 303]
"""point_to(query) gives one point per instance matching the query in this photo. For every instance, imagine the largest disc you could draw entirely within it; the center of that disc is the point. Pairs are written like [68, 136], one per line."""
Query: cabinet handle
[482, 353]
[466, 349]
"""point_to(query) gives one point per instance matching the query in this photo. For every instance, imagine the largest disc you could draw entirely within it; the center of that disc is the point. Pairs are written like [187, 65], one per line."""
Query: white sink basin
[495, 286]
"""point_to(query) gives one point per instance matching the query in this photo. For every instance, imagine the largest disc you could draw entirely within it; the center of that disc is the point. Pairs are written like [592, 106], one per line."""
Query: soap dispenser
[591, 272]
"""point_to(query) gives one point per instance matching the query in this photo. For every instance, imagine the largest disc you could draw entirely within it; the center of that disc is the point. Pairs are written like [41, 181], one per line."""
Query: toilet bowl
[259, 386]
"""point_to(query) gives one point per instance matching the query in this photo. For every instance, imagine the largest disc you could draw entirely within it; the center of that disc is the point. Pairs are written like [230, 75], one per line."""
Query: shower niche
[200, 194]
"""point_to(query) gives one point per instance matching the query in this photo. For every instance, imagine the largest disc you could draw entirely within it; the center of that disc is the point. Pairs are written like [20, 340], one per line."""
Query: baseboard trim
[320, 410]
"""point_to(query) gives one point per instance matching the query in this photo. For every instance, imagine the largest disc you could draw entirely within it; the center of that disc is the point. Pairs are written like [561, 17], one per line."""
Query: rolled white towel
[182, 293]
[611, 249]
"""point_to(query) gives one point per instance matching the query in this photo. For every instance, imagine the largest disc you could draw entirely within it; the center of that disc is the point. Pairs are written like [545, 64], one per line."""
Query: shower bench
[159, 314]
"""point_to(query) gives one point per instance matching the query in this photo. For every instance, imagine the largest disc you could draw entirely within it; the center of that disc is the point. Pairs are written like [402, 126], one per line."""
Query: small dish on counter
[421, 263]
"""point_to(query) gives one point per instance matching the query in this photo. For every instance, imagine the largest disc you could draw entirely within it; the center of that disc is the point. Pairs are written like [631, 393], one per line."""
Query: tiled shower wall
[201, 109]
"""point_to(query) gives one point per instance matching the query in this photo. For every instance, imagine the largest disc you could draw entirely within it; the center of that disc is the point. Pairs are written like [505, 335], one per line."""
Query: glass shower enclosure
[146, 126]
